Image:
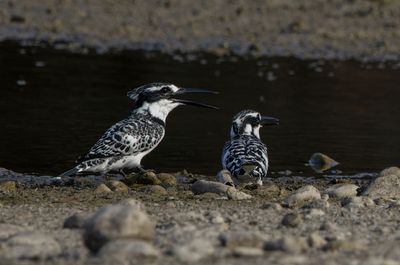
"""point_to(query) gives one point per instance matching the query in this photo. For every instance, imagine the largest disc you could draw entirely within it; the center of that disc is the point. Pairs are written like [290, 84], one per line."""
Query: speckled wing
[244, 151]
[125, 138]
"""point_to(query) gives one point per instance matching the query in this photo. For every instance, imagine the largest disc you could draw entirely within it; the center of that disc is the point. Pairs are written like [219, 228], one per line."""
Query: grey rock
[120, 221]
[290, 244]
[125, 251]
[386, 186]
[342, 191]
[215, 217]
[302, 195]
[195, 250]
[292, 220]
[29, 245]
[77, 220]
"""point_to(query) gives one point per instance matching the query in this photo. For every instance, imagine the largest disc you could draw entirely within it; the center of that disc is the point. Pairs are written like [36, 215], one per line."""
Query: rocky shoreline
[166, 219]
[341, 29]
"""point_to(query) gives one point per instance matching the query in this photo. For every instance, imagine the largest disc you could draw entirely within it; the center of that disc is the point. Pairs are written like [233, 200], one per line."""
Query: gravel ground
[289, 220]
[337, 29]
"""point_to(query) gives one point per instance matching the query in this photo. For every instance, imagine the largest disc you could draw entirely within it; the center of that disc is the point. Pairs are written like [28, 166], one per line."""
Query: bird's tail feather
[68, 173]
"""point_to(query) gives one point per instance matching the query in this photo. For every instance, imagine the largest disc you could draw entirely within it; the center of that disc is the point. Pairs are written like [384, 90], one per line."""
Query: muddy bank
[289, 220]
[341, 29]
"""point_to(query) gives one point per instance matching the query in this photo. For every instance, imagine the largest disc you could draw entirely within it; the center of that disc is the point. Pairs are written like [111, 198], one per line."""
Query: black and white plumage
[245, 154]
[124, 145]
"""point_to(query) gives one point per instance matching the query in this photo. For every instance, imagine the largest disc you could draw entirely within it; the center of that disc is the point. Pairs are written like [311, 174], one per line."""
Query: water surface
[54, 105]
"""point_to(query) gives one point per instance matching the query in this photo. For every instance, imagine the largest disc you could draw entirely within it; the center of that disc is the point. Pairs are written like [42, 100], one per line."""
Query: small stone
[124, 251]
[234, 194]
[302, 195]
[386, 187]
[118, 186]
[119, 221]
[8, 186]
[315, 240]
[321, 162]
[29, 245]
[342, 191]
[292, 220]
[236, 239]
[193, 251]
[358, 202]
[225, 177]
[288, 244]
[155, 189]
[102, 189]
[77, 220]
[148, 178]
[167, 180]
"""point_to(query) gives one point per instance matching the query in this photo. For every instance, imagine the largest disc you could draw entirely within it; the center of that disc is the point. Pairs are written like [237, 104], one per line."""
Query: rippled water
[54, 105]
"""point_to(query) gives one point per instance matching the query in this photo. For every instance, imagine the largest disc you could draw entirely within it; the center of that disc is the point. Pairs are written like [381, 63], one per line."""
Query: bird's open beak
[265, 121]
[195, 90]
[192, 103]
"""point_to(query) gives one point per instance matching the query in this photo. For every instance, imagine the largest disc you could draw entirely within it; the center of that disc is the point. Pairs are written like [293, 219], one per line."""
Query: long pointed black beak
[192, 103]
[195, 90]
[265, 121]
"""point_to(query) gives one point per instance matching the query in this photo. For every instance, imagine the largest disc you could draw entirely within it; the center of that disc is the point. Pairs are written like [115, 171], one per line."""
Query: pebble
[343, 244]
[292, 220]
[155, 189]
[341, 191]
[390, 171]
[302, 195]
[8, 186]
[195, 250]
[272, 205]
[29, 245]
[289, 244]
[314, 213]
[358, 202]
[321, 162]
[328, 226]
[102, 189]
[148, 178]
[119, 221]
[118, 186]
[235, 239]
[386, 186]
[123, 251]
[167, 180]
[77, 220]
[134, 203]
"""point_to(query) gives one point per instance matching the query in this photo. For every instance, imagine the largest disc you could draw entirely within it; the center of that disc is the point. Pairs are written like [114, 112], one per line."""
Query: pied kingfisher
[245, 154]
[123, 146]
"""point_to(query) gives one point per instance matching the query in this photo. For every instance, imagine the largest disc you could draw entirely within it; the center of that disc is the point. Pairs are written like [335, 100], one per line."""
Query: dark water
[54, 105]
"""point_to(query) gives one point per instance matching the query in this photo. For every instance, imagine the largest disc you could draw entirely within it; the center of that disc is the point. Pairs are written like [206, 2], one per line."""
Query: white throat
[158, 109]
[248, 130]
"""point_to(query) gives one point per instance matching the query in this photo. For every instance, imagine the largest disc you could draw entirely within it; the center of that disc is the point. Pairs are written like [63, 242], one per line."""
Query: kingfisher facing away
[123, 146]
[245, 154]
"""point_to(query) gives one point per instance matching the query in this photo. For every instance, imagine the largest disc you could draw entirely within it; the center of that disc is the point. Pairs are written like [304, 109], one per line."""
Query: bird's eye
[165, 89]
